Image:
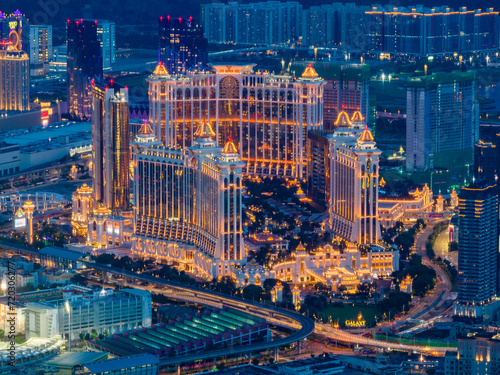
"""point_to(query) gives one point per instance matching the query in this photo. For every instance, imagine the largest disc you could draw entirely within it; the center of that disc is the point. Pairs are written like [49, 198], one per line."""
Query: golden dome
[204, 131]
[309, 72]
[343, 120]
[160, 70]
[145, 129]
[366, 136]
[357, 117]
[230, 148]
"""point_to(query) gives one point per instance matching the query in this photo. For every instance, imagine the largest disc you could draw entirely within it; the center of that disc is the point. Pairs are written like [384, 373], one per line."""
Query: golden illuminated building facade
[350, 267]
[266, 115]
[103, 212]
[417, 205]
[189, 204]
[14, 79]
[110, 147]
[354, 178]
[82, 209]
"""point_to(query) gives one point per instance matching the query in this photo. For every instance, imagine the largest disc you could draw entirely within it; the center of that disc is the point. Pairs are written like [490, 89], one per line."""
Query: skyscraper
[353, 177]
[110, 147]
[477, 252]
[442, 122]
[84, 65]
[486, 160]
[266, 115]
[14, 31]
[40, 43]
[106, 37]
[189, 204]
[263, 23]
[182, 44]
[14, 80]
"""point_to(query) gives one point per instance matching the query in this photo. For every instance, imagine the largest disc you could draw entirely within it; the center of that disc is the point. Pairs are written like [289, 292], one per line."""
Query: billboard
[19, 223]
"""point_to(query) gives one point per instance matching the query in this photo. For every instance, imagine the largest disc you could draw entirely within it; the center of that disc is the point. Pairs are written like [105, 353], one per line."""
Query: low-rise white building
[104, 312]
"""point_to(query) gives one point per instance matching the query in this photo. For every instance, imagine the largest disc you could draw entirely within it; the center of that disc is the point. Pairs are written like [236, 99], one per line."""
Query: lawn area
[350, 312]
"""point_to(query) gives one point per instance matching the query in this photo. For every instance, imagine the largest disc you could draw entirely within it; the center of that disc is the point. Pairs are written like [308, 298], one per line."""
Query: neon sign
[355, 323]
[12, 25]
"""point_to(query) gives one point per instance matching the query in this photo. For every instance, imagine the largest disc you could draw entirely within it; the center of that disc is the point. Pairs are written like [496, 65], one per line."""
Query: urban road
[303, 326]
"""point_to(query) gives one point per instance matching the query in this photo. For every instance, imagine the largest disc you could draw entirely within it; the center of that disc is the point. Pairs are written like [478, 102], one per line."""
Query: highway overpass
[303, 325]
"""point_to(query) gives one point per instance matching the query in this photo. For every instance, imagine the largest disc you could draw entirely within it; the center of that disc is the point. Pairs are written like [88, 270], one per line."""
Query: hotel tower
[189, 204]
[354, 178]
[266, 115]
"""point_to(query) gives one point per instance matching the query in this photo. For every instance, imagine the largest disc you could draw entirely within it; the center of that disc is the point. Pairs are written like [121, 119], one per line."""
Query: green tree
[105, 258]
[453, 246]
[253, 292]
[79, 279]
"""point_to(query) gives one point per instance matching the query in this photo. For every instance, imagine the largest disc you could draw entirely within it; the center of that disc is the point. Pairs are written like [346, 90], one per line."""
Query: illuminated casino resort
[189, 204]
[349, 159]
[266, 115]
[189, 208]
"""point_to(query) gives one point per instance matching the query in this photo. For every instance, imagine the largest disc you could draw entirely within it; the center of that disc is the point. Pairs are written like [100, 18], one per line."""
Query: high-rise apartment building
[110, 147]
[318, 25]
[477, 252]
[263, 23]
[337, 24]
[353, 176]
[182, 45]
[218, 21]
[14, 80]
[266, 115]
[423, 31]
[40, 43]
[442, 122]
[189, 204]
[85, 63]
[416, 31]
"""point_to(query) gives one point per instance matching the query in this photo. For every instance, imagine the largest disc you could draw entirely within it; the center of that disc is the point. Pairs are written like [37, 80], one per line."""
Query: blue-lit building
[182, 44]
[85, 64]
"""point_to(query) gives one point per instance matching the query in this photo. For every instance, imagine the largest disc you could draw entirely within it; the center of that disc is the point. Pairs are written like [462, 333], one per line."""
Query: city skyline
[263, 187]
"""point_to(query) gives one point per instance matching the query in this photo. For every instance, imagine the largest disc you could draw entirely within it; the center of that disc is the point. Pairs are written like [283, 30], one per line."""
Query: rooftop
[435, 79]
[123, 363]
[61, 253]
[335, 70]
[72, 359]
[27, 136]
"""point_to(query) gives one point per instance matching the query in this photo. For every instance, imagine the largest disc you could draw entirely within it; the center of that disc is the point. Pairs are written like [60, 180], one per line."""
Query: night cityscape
[249, 187]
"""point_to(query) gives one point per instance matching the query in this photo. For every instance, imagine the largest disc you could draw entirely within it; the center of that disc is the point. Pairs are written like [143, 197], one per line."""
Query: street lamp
[68, 310]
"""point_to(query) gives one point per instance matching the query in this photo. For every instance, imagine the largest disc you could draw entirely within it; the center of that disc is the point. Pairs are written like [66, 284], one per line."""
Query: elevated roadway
[303, 325]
